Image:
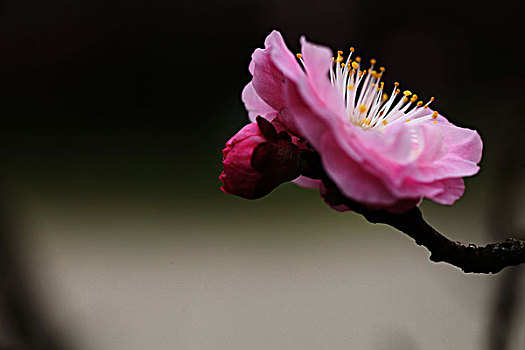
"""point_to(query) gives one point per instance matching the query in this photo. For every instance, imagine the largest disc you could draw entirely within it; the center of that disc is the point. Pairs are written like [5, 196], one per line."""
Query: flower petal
[268, 79]
[307, 182]
[453, 189]
[255, 105]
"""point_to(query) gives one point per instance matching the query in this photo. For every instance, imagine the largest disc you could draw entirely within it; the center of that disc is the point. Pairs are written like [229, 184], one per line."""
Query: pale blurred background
[115, 114]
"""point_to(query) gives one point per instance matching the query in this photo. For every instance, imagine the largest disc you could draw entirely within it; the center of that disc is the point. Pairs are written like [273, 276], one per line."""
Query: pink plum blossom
[386, 151]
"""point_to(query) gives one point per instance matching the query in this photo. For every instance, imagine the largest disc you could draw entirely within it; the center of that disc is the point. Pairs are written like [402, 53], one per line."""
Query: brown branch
[491, 258]
[280, 154]
[502, 217]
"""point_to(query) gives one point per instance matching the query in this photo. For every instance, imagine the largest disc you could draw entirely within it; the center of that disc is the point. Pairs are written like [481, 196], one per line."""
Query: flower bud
[258, 159]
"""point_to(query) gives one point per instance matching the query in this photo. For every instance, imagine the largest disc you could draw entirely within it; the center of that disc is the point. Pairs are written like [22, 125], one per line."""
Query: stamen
[367, 105]
[300, 57]
[429, 102]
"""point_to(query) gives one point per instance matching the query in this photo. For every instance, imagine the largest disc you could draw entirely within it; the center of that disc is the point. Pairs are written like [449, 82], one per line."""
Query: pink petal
[464, 143]
[307, 182]
[453, 189]
[350, 177]
[255, 105]
[317, 61]
[284, 60]
[267, 68]
[267, 79]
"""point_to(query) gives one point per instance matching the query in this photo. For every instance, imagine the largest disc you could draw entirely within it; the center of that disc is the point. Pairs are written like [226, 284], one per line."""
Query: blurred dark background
[121, 109]
[114, 81]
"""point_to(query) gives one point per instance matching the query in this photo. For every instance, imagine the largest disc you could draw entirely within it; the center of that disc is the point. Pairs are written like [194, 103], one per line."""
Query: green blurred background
[114, 117]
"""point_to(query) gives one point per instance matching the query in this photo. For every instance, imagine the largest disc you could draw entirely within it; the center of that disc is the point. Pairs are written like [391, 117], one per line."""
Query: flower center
[366, 103]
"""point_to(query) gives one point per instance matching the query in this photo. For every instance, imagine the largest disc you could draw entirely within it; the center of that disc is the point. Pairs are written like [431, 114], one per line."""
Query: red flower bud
[257, 160]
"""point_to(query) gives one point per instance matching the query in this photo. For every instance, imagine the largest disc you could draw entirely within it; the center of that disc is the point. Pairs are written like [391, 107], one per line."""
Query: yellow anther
[358, 59]
[407, 93]
[373, 61]
[434, 115]
[355, 65]
[364, 72]
[432, 99]
[434, 121]
[382, 69]
[366, 121]
[420, 103]
[408, 120]
[362, 108]
[385, 122]
[352, 49]
[350, 87]
[396, 84]
[385, 97]
[342, 65]
[339, 59]
[397, 91]
[299, 56]
[405, 100]
[413, 99]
